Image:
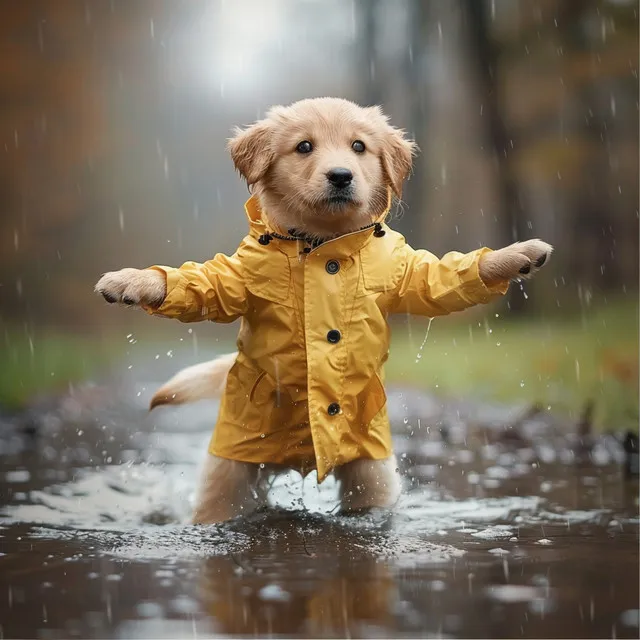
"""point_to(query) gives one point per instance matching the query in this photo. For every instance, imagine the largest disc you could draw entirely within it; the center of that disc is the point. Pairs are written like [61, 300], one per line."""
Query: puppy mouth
[340, 199]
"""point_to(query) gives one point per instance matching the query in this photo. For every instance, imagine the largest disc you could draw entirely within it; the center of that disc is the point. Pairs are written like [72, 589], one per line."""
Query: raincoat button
[332, 267]
[379, 231]
[333, 409]
[334, 336]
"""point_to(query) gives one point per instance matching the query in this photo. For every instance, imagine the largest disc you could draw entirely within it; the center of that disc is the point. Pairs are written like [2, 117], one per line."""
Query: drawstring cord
[266, 238]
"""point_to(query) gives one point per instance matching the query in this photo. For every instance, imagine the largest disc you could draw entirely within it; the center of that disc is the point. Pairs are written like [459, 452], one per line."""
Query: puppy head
[323, 166]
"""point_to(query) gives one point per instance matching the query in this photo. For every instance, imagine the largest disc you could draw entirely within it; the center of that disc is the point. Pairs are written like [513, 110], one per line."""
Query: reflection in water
[247, 595]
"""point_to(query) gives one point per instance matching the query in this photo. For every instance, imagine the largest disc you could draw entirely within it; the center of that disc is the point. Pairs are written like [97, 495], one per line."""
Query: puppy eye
[304, 147]
[358, 146]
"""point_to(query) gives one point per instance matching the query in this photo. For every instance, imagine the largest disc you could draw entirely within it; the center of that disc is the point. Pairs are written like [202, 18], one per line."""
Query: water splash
[424, 342]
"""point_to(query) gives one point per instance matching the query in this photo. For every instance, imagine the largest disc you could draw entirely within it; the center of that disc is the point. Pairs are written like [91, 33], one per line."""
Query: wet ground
[509, 527]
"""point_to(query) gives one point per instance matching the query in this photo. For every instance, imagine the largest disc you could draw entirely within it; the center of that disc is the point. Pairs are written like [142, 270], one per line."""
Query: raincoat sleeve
[214, 290]
[435, 287]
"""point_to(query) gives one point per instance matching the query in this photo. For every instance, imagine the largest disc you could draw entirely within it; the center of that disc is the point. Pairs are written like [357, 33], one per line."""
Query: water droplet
[424, 342]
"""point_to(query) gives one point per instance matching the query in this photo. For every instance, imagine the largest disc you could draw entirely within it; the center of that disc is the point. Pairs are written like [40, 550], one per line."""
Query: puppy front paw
[518, 260]
[133, 287]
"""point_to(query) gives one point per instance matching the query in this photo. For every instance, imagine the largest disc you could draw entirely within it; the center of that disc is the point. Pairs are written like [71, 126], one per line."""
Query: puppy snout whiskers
[339, 177]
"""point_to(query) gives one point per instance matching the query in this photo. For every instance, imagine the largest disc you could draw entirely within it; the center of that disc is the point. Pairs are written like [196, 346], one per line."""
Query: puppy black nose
[340, 177]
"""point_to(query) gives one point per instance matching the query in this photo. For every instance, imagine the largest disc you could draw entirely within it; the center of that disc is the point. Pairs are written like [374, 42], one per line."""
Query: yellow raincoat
[307, 388]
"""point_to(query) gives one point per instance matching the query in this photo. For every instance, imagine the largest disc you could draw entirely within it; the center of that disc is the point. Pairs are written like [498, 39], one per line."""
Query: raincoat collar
[342, 246]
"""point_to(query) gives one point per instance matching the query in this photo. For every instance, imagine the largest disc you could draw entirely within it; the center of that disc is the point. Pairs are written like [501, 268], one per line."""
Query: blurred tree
[57, 70]
[414, 73]
[484, 54]
[369, 14]
[549, 74]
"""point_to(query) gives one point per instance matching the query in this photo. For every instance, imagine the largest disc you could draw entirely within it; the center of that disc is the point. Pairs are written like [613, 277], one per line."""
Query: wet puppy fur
[320, 168]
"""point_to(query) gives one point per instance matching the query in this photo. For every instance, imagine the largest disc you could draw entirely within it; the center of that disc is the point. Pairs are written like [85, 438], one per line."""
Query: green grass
[561, 363]
[46, 362]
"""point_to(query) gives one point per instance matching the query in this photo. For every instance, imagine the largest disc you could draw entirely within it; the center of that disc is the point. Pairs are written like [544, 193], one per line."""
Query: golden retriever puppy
[313, 283]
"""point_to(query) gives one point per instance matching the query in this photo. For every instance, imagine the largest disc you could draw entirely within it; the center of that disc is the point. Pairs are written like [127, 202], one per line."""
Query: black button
[334, 336]
[332, 267]
[333, 409]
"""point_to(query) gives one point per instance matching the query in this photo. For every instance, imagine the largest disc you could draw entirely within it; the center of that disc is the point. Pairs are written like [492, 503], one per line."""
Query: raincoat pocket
[274, 290]
[261, 390]
[273, 402]
[379, 275]
[237, 401]
[370, 401]
[269, 280]
[252, 399]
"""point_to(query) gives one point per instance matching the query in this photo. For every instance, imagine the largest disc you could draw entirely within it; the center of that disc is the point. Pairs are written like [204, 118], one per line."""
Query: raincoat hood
[306, 390]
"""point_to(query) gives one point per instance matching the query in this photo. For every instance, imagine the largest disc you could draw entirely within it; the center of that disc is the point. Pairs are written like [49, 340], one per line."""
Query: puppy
[313, 283]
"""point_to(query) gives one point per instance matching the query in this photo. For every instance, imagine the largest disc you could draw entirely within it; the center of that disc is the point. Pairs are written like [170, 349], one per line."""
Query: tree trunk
[484, 56]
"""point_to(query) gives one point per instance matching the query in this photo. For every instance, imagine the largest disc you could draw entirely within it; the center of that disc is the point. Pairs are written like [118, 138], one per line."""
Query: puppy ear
[397, 158]
[251, 151]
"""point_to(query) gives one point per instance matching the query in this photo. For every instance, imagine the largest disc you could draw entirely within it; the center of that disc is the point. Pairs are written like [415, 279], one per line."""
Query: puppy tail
[199, 382]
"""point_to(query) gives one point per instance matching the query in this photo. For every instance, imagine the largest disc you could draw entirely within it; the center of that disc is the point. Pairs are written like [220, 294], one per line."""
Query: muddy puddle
[509, 526]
